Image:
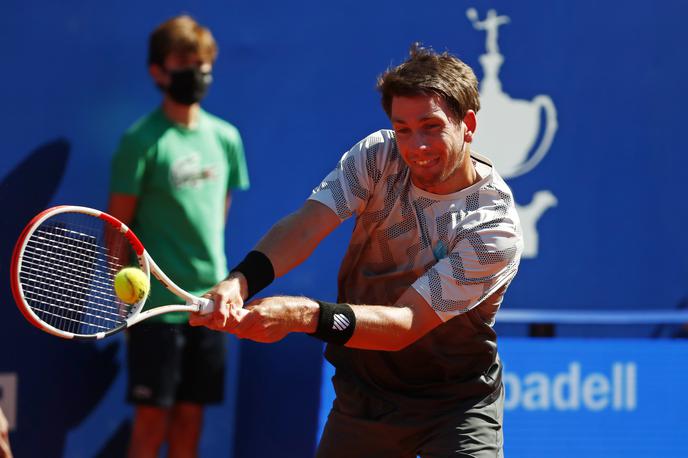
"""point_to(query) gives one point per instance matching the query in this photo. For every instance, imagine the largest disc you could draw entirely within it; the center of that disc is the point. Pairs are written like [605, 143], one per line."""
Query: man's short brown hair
[426, 72]
[182, 35]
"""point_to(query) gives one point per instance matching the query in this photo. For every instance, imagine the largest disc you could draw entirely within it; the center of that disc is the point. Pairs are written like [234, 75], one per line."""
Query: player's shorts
[171, 363]
[368, 427]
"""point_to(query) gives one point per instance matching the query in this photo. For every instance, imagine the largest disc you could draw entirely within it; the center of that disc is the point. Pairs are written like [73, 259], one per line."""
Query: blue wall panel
[602, 202]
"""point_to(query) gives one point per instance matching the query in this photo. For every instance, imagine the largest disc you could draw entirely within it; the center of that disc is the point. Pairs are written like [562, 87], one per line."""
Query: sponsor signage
[600, 397]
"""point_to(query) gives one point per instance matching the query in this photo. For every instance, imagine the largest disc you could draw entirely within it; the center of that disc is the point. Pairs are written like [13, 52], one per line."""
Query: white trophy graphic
[508, 129]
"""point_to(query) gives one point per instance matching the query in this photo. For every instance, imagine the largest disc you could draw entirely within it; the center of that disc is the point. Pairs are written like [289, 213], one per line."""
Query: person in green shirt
[171, 182]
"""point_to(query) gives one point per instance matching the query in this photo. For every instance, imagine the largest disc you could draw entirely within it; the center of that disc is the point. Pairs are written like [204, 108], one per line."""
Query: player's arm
[286, 245]
[393, 327]
[292, 240]
[486, 271]
[375, 327]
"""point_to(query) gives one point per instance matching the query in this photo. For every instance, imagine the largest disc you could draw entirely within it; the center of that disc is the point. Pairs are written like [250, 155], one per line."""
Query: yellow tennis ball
[131, 285]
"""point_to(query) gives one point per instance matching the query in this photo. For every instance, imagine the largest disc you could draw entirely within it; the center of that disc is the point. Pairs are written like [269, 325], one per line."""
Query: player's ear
[471, 122]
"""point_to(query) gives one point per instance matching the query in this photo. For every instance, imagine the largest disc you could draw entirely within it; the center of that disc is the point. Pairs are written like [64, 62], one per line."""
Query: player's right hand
[228, 298]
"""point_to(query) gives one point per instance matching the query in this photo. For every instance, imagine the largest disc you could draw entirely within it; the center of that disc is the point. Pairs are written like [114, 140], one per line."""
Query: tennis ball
[131, 285]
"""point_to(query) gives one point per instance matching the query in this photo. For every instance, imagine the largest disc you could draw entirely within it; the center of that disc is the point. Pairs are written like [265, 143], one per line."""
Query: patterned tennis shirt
[459, 251]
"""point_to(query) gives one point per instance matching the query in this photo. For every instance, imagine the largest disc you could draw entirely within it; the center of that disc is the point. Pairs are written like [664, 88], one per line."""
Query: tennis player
[436, 243]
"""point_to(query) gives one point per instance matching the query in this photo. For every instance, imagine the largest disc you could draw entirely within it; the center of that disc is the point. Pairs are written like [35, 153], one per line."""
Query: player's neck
[465, 177]
[185, 115]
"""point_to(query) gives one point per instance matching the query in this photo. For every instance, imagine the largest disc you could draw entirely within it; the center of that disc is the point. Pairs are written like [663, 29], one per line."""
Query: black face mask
[188, 86]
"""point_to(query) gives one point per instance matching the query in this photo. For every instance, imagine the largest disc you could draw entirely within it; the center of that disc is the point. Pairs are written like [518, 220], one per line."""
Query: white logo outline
[508, 128]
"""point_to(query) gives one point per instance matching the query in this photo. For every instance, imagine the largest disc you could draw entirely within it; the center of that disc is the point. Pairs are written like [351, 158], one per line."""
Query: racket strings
[43, 263]
[59, 295]
[67, 313]
[63, 237]
[67, 273]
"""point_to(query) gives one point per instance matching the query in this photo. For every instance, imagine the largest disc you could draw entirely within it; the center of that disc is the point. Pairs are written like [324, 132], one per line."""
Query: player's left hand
[270, 319]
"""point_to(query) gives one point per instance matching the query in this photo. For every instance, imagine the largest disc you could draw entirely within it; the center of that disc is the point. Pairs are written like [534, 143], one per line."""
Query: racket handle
[205, 306]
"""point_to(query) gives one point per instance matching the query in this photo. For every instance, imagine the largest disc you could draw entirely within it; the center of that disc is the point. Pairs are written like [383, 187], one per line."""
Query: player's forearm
[378, 327]
[292, 239]
[368, 327]
[287, 244]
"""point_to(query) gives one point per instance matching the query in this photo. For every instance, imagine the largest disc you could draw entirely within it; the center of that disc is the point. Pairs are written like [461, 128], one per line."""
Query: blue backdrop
[582, 112]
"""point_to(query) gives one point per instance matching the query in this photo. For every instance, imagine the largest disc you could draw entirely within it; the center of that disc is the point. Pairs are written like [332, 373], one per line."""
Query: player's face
[431, 142]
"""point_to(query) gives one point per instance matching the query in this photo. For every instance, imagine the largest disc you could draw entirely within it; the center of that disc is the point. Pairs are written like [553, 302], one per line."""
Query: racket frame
[145, 261]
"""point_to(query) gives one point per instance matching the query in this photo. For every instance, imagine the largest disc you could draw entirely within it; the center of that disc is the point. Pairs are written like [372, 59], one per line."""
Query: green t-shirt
[181, 178]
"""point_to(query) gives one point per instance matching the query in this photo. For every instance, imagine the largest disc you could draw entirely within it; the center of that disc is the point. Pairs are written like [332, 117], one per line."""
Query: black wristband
[336, 323]
[258, 271]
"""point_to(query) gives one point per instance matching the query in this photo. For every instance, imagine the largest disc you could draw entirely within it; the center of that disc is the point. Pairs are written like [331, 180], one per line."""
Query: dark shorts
[170, 363]
[372, 428]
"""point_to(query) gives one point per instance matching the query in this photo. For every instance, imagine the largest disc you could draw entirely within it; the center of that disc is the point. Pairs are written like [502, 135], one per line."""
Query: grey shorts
[380, 430]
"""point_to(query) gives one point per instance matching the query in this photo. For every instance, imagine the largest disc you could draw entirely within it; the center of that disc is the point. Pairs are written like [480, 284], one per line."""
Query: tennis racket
[63, 270]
